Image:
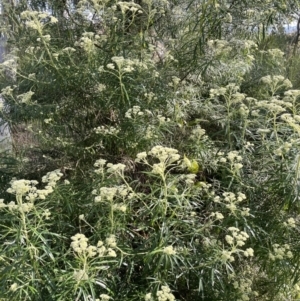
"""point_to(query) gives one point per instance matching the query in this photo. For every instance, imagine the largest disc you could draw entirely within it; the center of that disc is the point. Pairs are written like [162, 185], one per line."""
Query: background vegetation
[156, 151]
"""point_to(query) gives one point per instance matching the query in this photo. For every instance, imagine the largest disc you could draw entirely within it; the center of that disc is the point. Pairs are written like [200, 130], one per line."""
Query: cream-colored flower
[249, 252]
[229, 239]
[169, 250]
[13, 287]
[92, 251]
[217, 215]
[116, 168]
[79, 243]
[111, 241]
[110, 66]
[158, 168]
[111, 252]
[80, 275]
[2, 204]
[52, 177]
[101, 251]
[105, 297]
[226, 256]
[120, 207]
[165, 294]
[47, 214]
[141, 156]
[108, 193]
[19, 187]
[148, 297]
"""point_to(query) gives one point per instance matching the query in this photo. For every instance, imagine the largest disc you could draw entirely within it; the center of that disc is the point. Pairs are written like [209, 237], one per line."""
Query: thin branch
[297, 37]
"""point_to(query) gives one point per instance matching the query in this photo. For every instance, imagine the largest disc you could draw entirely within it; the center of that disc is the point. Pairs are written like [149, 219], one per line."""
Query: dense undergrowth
[156, 152]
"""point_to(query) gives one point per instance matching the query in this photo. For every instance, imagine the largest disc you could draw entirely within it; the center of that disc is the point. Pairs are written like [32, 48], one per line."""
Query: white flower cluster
[47, 214]
[276, 53]
[88, 41]
[69, 50]
[109, 130]
[189, 179]
[283, 149]
[227, 256]
[45, 38]
[280, 252]
[27, 188]
[150, 132]
[272, 106]
[111, 241]
[165, 155]
[169, 250]
[100, 163]
[290, 223]
[244, 287]
[131, 6]
[116, 168]
[7, 91]
[217, 215]
[162, 119]
[244, 110]
[120, 207]
[175, 82]
[22, 207]
[236, 239]
[231, 200]
[109, 193]
[217, 92]
[124, 65]
[230, 91]
[219, 47]
[80, 246]
[14, 287]
[80, 275]
[10, 64]
[22, 187]
[292, 121]
[234, 159]
[292, 93]
[134, 112]
[164, 294]
[25, 97]
[150, 96]
[36, 20]
[237, 97]
[285, 103]
[276, 82]
[104, 297]
[198, 134]
[52, 177]
[100, 88]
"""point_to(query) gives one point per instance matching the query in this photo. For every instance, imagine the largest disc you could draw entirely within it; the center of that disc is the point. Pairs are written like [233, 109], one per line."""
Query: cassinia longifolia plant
[155, 151]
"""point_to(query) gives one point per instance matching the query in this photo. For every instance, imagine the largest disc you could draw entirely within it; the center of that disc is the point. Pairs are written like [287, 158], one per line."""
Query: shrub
[162, 166]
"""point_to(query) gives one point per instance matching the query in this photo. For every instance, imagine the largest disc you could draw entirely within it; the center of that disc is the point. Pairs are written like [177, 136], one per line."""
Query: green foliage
[155, 151]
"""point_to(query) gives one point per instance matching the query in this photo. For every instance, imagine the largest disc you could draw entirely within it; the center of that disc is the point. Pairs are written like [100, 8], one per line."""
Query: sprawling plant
[155, 152]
